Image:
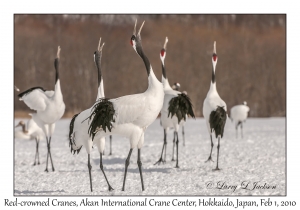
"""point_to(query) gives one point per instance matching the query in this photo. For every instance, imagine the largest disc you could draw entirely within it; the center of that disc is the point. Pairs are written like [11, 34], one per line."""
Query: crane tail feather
[217, 120]
[181, 106]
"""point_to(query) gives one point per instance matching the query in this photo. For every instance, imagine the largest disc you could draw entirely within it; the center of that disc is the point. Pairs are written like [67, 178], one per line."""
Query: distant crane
[239, 114]
[176, 86]
[175, 109]
[33, 131]
[214, 109]
[49, 106]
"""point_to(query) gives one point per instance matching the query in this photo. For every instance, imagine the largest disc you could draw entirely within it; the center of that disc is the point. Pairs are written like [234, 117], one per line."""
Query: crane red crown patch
[162, 52]
[215, 57]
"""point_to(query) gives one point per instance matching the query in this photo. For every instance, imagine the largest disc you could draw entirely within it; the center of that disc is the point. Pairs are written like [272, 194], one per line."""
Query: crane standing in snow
[49, 106]
[214, 109]
[33, 131]
[239, 114]
[130, 115]
[79, 126]
[176, 86]
[175, 109]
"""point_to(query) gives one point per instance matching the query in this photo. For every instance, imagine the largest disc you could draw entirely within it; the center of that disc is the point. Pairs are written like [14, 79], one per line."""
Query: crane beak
[215, 48]
[134, 29]
[99, 45]
[58, 51]
[165, 45]
[139, 33]
[17, 89]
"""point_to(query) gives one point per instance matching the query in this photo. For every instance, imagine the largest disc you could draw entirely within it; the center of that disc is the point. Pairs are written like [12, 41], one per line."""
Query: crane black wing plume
[20, 95]
[103, 115]
[217, 120]
[181, 106]
[71, 138]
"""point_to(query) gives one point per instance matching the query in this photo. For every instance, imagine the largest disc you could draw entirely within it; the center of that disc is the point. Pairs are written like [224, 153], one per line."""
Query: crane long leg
[139, 162]
[177, 142]
[90, 172]
[236, 131]
[126, 166]
[110, 139]
[211, 148]
[47, 154]
[50, 155]
[165, 143]
[36, 151]
[101, 167]
[242, 129]
[38, 154]
[162, 151]
[217, 168]
[183, 136]
[173, 148]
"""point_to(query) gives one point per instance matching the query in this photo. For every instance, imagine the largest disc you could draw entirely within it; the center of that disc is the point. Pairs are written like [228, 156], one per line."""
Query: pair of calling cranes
[129, 115]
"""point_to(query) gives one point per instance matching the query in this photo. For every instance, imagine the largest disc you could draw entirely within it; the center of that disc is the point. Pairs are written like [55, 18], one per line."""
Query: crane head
[176, 86]
[136, 39]
[164, 50]
[98, 52]
[214, 56]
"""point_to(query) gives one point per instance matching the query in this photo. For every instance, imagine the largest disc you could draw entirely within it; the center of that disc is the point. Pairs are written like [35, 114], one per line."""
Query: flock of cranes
[128, 116]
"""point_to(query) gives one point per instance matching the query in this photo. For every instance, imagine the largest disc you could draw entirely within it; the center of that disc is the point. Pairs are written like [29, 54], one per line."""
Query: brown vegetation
[251, 57]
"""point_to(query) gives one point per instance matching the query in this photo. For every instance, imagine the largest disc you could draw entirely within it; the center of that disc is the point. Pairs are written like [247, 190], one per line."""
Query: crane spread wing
[35, 98]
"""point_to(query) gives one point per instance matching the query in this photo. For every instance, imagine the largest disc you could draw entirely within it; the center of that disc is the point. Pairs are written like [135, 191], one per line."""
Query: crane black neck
[56, 65]
[99, 76]
[145, 59]
[98, 65]
[213, 76]
[164, 71]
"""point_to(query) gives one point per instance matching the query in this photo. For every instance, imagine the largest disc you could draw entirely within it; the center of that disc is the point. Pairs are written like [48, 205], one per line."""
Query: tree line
[251, 57]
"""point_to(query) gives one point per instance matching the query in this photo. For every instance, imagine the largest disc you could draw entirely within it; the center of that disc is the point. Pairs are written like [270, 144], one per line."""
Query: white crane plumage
[214, 109]
[33, 132]
[49, 106]
[79, 126]
[238, 115]
[175, 109]
[130, 115]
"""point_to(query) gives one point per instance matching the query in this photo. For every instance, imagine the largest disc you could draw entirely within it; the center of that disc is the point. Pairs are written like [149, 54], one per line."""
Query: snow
[259, 157]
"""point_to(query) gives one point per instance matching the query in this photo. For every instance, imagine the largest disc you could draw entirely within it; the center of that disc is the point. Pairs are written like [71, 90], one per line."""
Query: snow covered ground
[258, 157]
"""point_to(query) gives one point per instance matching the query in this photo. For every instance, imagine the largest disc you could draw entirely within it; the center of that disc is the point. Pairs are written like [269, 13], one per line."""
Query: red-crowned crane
[239, 114]
[176, 86]
[49, 106]
[32, 132]
[175, 109]
[214, 109]
[79, 126]
[130, 115]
